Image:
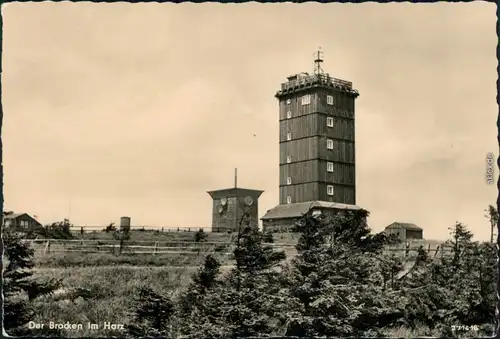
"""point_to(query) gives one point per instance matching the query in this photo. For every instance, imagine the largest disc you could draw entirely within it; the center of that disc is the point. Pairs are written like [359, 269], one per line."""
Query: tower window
[288, 101]
[329, 99]
[329, 189]
[289, 181]
[306, 99]
[329, 144]
[329, 166]
[329, 122]
[288, 114]
[289, 137]
[288, 159]
[289, 200]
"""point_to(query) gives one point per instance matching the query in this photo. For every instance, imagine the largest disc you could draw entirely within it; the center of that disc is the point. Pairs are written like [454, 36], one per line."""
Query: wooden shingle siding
[342, 173]
[343, 103]
[296, 106]
[299, 172]
[306, 126]
[301, 127]
[343, 151]
[299, 150]
[343, 193]
[299, 193]
[342, 128]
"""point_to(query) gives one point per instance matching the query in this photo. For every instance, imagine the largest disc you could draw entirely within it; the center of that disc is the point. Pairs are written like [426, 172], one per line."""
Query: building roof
[7, 215]
[13, 216]
[233, 192]
[405, 225]
[299, 209]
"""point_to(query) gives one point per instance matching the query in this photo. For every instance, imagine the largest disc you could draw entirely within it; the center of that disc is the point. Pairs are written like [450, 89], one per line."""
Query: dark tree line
[340, 284]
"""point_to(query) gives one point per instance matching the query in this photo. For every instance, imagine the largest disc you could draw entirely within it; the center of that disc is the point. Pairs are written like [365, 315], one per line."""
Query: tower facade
[317, 134]
[317, 161]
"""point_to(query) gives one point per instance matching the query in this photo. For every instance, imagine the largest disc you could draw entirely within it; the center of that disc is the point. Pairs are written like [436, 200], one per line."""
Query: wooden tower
[229, 205]
[316, 138]
[317, 157]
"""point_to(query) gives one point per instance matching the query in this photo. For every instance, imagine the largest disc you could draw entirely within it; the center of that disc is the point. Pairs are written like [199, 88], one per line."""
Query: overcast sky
[139, 109]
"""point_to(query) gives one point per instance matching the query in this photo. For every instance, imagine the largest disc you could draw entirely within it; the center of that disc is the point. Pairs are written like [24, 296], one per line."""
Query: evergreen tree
[202, 281]
[19, 287]
[456, 288]
[153, 315]
[242, 303]
[334, 287]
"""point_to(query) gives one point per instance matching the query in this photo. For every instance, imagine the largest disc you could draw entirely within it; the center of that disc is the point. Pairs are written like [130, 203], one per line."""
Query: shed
[405, 230]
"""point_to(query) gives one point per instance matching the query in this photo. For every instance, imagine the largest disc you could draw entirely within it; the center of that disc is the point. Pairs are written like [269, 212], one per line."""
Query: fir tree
[153, 315]
[243, 302]
[334, 287]
[19, 287]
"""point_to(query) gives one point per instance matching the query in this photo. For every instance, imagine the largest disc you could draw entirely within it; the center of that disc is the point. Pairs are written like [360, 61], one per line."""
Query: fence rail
[170, 229]
[183, 247]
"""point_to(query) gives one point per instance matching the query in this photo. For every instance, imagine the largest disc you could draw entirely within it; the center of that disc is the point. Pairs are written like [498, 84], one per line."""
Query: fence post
[437, 251]
[47, 247]
[156, 246]
[429, 248]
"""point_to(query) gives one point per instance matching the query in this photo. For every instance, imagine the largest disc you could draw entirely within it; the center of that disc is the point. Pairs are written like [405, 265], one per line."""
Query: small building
[229, 206]
[405, 231]
[20, 221]
[283, 218]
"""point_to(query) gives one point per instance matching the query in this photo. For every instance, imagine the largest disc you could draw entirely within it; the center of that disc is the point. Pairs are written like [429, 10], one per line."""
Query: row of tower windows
[329, 191]
[329, 120]
[306, 100]
[329, 142]
[329, 123]
[329, 168]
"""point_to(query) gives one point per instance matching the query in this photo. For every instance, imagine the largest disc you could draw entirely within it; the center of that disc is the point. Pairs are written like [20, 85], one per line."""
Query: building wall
[22, 222]
[400, 232]
[308, 147]
[282, 224]
[414, 234]
[299, 192]
[232, 213]
[405, 234]
[279, 225]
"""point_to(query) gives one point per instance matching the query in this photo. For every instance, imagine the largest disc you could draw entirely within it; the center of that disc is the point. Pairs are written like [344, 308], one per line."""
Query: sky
[138, 110]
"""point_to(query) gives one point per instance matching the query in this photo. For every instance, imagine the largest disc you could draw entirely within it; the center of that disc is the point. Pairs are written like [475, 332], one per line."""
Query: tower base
[282, 218]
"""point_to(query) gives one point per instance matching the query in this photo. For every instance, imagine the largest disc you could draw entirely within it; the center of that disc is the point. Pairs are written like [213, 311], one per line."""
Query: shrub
[200, 236]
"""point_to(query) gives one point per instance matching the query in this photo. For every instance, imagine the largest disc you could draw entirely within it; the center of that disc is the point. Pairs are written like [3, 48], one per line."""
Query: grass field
[114, 279]
[113, 289]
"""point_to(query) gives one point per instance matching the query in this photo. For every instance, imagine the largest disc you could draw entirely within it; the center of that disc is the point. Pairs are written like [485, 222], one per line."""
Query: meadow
[99, 285]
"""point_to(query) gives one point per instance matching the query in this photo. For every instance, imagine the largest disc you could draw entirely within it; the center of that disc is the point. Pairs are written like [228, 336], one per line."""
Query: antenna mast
[235, 178]
[318, 61]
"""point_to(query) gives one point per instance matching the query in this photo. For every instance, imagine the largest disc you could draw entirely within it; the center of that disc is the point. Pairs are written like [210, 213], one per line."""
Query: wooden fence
[184, 247]
[170, 229]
